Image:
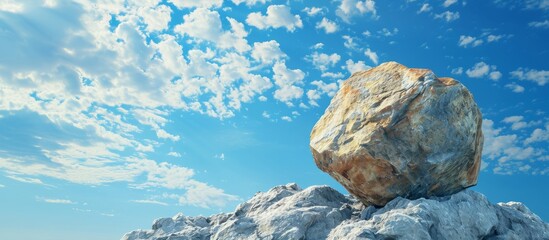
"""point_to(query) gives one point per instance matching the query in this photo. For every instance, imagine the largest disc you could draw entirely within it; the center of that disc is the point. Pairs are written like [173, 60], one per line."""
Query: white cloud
[447, 16]
[286, 118]
[323, 61]
[318, 46]
[328, 26]
[481, 69]
[107, 83]
[457, 71]
[425, 8]
[174, 154]
[515, 87]
[470, 41]
[250, 2]
[220, 156]
[495, 75]
[55, 201]
[11, 6]
[371, 55]
[322, 88]
[196, 3]
[465, 41]
[353, 67]
[538, 135]
[277, 16]
[350, 8]
[267, 52]
[148, 201]
[448, 3]
[156, 18]
[516, 122]
[540, 77]
[510, 150]
[494, 38]
[541, 24]
[204, 24]
[202, 195]
[27, 180]
[387, 32]
[332, 75]
[265, 114]
[286, 80]
[312, 11]
[2, 186]
[350, 43]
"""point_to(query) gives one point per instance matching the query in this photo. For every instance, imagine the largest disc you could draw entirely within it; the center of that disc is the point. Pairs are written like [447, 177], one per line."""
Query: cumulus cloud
[328, 26]
[510, 150]
[277, 16]
[371, 55]
[350, 8]
[87, 69]
[353, 67]
[322, 88]
[174, 154]
[350, 43]
[312, 11]
[287, 80]
[267, 52]
[540, 77]
[204, 24]
[323, 61]
[196, 3]
[447, 16]
[481, 69]
[466, 41]
[250, 2]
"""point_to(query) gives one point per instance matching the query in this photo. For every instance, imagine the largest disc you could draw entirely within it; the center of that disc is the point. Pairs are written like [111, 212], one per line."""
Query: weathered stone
[320, 212]
[395, 131]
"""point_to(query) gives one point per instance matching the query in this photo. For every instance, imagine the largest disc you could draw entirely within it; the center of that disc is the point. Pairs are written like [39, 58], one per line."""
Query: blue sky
[114, 113]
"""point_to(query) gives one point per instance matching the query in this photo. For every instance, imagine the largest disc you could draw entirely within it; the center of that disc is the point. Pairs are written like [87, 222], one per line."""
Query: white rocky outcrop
[320, 212]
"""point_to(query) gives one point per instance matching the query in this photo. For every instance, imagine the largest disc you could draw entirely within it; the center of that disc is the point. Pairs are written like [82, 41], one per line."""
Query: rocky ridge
[320, 212]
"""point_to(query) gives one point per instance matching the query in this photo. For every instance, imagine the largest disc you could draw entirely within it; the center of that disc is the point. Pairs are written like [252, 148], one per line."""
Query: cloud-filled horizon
[196, 105]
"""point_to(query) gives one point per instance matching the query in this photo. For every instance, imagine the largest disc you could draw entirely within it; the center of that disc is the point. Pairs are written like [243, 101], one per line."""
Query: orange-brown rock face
[397, 131]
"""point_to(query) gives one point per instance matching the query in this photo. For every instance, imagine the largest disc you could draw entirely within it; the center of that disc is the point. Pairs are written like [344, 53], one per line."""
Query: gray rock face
[320, 212]
[395, 131]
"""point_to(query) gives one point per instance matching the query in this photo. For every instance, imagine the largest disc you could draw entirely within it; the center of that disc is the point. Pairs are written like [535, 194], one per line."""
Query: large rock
[320, 212]
[396, 131]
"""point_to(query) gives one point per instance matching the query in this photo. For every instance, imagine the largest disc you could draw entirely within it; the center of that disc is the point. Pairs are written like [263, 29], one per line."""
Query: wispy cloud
[55, 200]
[28, 180]
[148, 201]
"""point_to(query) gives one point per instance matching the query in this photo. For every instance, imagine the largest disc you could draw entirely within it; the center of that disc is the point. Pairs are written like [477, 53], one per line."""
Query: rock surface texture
[320, 212]
[394, 131]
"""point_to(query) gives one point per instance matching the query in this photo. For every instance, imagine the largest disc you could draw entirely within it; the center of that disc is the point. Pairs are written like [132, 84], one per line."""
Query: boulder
[394, 131]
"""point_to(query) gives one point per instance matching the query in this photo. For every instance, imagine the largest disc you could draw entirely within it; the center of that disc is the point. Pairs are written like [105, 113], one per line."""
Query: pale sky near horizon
[114, 113]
